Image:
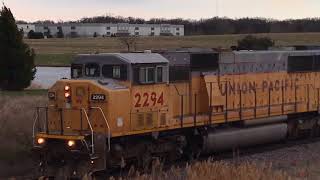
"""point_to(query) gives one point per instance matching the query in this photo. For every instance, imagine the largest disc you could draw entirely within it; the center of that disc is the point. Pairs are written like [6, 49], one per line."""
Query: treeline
[217, 25]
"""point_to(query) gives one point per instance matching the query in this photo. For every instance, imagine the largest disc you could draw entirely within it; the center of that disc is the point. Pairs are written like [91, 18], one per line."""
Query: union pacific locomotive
[120, 109]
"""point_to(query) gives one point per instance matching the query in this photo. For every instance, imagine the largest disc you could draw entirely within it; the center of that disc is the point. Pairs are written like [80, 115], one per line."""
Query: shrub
[254, 43]
[35, 35]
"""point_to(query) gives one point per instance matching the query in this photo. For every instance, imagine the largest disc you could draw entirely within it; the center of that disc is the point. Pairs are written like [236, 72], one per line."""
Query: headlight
[67, 88]
[41, 141]
[52, 95]
[67, 94]
[71, 143]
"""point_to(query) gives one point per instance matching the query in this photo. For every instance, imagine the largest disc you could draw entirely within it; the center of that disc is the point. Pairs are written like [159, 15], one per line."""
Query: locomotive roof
[277, 52]
[112, 58]
[262, 56]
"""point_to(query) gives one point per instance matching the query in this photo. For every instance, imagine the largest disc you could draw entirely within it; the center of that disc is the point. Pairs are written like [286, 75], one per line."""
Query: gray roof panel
[142, 58]
[120, 58]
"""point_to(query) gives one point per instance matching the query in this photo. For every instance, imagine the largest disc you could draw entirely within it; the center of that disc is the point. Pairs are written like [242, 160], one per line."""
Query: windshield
[92, 70]
[118, 72]
[76, 71]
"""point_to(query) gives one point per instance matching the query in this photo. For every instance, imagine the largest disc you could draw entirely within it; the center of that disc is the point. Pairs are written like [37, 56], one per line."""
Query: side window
[116, 73]
[147, 75]
[150, 75]
[159, 74]
[92, 70]
[142, 75]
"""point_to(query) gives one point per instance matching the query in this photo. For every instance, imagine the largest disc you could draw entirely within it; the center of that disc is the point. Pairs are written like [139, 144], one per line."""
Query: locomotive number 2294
[148, 99]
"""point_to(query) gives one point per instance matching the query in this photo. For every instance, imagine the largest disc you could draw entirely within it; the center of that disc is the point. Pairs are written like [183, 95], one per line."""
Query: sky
[32, 10]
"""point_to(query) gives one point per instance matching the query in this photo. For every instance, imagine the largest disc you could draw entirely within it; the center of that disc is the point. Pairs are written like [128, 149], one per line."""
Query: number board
[148, 99]
[98, 97]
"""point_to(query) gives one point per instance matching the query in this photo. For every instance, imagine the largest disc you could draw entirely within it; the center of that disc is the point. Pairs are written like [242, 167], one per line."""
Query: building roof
[121, 58]
[110, 24]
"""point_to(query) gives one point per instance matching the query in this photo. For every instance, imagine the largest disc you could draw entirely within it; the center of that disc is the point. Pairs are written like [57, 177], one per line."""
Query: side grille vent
[163, 119]
[144, 120]
[140, 120]
[149, 120]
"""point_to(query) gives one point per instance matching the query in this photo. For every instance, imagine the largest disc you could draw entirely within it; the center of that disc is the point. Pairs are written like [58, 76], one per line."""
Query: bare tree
[129, 41]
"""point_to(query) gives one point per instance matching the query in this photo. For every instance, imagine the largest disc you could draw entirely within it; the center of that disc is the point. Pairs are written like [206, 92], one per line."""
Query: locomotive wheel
[193, 150]
[193, 154]
[145, 161]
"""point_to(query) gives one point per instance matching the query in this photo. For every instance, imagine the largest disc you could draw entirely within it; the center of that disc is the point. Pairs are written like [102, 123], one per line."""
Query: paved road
[47, 76]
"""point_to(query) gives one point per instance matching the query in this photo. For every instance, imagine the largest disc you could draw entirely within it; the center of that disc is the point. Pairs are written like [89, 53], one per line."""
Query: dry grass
[16, 117]
[59, 52]
[212, 170]
[89, 45]
[34, 86]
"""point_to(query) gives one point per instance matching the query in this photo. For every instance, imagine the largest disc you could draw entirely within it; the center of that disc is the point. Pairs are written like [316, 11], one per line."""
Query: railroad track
[221, 156]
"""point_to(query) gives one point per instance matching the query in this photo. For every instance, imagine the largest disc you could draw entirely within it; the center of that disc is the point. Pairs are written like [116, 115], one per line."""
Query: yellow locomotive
[124, 108]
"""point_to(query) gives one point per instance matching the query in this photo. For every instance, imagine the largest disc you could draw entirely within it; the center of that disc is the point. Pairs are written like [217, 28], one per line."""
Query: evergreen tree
[17, 67]
[35, 35]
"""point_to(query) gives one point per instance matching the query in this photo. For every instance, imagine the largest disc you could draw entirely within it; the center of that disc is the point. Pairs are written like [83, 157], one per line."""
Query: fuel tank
[217, 141]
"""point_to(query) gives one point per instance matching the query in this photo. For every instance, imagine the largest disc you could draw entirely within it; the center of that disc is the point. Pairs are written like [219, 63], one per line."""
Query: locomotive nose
[69, 95]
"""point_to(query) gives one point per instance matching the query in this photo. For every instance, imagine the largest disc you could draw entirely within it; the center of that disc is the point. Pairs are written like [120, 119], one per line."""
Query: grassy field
[213, 170]
[53, 59]
[29, 92]
[61, 51]
[17, 114]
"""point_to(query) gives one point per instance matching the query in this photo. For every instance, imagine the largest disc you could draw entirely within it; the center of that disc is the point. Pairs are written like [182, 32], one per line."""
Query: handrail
[34, 125]
[105, 119]
[92, 133]
[36, 119]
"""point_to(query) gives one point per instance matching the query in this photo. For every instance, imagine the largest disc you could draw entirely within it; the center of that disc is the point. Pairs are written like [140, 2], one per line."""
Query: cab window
[115, 71]
[76, 71]
[92, 70]
[159, 74]
[149, 75]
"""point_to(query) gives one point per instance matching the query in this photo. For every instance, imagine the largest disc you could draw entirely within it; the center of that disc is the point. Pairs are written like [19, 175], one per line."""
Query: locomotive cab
[109, 95]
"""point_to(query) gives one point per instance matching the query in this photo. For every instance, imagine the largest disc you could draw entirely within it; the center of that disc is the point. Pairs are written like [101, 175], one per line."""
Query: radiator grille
[140, 120]
[149, 120]
[163, 119]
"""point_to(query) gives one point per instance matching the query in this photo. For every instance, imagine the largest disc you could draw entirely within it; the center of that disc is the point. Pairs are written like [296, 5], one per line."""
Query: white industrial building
[100, 29]
[26, 28]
